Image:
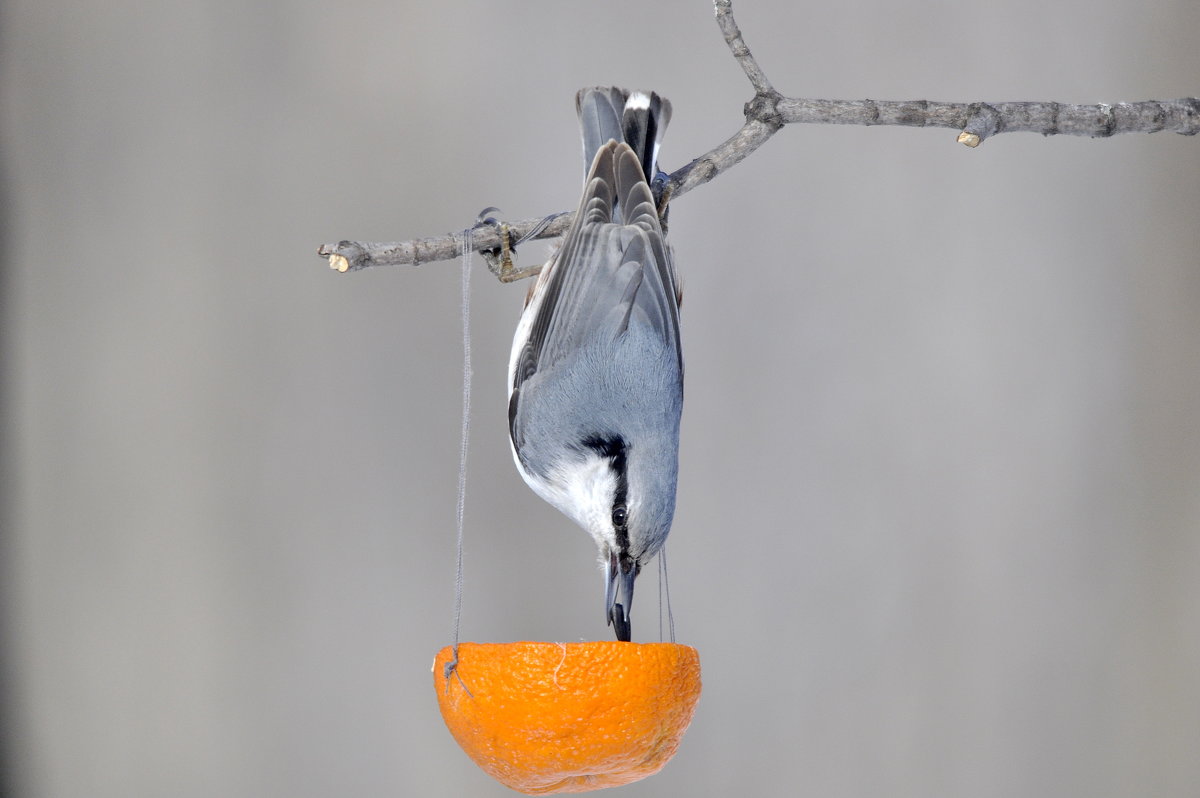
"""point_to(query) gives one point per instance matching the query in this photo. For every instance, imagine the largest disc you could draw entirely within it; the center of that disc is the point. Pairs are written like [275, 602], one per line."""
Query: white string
[664, 586]
[466, 434]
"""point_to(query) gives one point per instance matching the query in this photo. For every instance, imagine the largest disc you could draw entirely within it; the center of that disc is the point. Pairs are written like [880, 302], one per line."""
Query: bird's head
[624, 496]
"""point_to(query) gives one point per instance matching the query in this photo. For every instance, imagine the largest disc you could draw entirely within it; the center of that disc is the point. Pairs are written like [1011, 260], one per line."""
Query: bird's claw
[499, 259]
[660, 189]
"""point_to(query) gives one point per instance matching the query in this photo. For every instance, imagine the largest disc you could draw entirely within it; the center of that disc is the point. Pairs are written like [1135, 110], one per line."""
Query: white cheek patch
[582, 490]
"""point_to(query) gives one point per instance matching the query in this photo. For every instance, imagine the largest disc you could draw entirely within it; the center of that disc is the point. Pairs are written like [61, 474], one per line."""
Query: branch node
[765, 108]
[1108, 121]
[873, 109]
[1189, 109]
[1055, 112]
[983, 120]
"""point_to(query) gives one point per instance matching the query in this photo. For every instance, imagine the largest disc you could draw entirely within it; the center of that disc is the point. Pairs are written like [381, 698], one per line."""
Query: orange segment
[568, 717]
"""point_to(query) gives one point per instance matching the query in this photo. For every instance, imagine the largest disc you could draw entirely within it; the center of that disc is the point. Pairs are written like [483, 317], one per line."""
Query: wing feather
[614, 269]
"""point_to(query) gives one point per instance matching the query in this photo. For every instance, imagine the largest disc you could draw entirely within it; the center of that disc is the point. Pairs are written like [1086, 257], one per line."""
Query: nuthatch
[596, 372]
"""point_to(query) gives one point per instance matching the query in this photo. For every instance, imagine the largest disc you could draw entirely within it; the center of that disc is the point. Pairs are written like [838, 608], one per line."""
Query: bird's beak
[618, 594]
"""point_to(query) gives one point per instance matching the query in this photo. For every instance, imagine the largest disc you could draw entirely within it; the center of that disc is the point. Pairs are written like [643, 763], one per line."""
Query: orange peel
[568, 717]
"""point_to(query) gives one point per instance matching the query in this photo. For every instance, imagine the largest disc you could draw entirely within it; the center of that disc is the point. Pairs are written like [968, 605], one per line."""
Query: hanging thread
[466, 434]
[664, 586]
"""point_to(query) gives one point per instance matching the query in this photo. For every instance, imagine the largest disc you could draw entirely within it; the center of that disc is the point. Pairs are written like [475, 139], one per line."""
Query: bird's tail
[637, 118]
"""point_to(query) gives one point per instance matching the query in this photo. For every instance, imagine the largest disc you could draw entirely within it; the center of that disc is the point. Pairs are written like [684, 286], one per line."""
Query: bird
[596, 372]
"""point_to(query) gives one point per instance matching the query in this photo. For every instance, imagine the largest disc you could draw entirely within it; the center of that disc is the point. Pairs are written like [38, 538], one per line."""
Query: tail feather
[637, 118]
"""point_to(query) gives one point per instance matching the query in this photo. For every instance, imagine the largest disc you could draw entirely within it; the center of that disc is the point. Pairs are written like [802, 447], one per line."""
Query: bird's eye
[620, 515]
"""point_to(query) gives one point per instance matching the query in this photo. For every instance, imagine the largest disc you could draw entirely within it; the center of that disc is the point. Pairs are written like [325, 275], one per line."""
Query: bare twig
[981, 120]
[737, 46]
[769, 111]
[353, 255]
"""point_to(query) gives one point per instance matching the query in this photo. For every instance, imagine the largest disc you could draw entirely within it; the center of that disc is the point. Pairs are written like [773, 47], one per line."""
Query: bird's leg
[499, 260]
[661, 190]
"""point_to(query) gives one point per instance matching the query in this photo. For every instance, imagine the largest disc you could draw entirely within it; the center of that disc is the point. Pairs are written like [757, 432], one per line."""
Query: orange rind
[568, 717]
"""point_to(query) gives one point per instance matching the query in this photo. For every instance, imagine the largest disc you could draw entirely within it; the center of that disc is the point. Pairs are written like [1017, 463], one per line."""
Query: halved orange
[568, 717]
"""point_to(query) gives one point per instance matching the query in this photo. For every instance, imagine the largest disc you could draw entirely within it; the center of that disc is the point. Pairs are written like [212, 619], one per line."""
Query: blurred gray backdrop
[940, 495]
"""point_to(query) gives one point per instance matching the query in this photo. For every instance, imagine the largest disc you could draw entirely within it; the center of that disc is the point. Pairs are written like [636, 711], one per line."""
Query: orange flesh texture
[568, 717]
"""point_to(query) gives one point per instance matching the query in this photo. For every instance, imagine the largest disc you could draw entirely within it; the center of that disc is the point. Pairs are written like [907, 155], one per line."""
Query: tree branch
[769, 111]
[354, 255]
[978, 121]
[737, 46]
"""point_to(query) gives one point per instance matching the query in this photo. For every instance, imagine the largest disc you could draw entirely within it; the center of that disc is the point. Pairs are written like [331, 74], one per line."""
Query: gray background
[940, 490]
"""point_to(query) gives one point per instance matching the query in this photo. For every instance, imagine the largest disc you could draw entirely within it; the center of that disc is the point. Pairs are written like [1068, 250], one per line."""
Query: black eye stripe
[611, 447]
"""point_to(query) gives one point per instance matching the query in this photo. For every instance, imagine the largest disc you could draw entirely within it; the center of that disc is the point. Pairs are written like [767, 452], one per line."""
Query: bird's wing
[613, 268]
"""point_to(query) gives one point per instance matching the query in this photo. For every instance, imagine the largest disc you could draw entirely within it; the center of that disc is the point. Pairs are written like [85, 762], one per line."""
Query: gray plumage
[596, 374]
